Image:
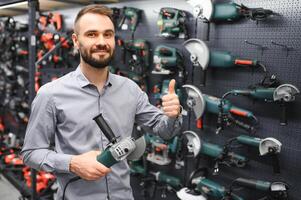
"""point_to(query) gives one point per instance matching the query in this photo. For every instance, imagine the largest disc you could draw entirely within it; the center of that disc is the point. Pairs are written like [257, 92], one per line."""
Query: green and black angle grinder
[202, 57]
[208, 12]
[220, 154]
[282, 94]
[126, 148]
[201, 103]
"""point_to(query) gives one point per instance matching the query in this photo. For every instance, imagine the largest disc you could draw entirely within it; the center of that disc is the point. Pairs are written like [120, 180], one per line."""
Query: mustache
[101, 48]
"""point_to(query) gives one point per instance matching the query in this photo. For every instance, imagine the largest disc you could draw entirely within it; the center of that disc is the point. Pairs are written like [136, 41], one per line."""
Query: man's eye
[108, 35]
[91, 34]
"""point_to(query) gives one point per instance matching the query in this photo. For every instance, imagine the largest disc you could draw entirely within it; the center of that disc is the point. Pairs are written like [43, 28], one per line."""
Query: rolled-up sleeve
[153, 118]
[36, 151]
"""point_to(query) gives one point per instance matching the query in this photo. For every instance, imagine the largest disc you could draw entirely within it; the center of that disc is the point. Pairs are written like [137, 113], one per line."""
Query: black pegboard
[285, 29]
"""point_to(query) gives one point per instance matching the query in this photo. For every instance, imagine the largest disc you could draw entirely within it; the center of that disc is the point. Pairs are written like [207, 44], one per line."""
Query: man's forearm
[168, 127]
[47, 160]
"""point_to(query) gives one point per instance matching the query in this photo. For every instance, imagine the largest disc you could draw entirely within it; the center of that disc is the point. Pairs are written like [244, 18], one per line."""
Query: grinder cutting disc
[267, 144]
[194, 142]
[139, 150]
[202, 8]
[285, 92]
[195, 100]
[199, 52]
[187, 194]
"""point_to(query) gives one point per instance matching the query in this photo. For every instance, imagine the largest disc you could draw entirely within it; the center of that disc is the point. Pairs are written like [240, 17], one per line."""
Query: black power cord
[70, 181]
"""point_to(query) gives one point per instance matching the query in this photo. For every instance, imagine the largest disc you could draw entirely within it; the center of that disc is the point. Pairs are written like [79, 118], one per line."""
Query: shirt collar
[83, 81]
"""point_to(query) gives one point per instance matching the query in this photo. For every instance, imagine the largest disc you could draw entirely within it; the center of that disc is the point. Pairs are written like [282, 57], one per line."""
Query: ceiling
[20, 7]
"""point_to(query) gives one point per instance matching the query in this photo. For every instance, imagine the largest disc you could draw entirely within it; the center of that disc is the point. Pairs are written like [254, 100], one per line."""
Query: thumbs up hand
[170, 102]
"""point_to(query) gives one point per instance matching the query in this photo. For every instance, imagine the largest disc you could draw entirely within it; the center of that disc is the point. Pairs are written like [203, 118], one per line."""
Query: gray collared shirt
[62, 118]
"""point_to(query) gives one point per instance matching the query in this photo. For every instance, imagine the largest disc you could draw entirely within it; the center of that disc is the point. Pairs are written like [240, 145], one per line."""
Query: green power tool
[199, 187]
[171, 23]
[202, 57]
[140, 80]
[118, 150]
[282, 94]
[159, 150]
[267, 147]
[201, 103]
[276, 190]
[207, 11]
[170, 182]
[130, 19]
[139, 51]
[168, 60]
[220, 154]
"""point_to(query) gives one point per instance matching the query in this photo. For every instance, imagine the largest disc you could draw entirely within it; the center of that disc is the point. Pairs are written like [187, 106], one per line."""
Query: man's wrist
[180, 112]
[71, 164]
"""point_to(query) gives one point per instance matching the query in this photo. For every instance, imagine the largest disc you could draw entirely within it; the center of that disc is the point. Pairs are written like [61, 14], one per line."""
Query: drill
[139, 55]
[171, 23]
[130, 19]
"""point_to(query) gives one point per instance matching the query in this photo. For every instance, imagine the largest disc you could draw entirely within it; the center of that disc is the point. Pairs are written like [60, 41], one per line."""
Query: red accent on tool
[243, 62]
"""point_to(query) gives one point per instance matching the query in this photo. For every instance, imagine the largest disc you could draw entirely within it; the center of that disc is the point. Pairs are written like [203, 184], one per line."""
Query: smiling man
[61, 136]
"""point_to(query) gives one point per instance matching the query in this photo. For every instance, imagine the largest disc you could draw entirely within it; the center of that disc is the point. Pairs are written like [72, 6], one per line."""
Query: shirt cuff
[62, 163]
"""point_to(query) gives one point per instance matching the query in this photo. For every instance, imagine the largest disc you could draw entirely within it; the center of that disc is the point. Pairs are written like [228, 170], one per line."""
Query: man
[63, 111]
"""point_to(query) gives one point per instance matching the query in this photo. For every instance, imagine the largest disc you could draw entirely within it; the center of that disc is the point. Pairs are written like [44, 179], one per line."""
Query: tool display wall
[275, 42]
[247, 39]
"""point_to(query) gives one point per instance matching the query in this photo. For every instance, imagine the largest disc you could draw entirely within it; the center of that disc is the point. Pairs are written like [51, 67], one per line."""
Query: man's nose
[100, 40]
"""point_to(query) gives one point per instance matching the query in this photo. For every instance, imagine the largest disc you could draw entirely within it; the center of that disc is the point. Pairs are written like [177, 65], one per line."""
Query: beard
[100, 62]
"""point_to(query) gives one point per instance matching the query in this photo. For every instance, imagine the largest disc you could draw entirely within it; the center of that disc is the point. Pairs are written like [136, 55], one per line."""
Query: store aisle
[7, 190]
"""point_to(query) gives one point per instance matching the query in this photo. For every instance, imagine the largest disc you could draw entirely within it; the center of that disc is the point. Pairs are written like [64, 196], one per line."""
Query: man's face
[95, 39]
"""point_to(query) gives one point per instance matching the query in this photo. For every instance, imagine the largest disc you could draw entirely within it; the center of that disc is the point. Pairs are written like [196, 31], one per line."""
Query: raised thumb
[171, 87]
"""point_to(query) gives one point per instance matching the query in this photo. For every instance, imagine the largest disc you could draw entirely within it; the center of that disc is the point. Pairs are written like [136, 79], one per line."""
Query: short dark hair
[95, 9]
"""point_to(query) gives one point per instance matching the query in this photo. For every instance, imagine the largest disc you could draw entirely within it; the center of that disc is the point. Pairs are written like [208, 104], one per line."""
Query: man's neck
[97, 77]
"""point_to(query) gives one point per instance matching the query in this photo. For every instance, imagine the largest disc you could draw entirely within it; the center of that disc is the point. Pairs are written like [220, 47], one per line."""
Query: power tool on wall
[116, 151]
[136, 56]
[150, 178]
[207, 11]
[54, 19]
[275, 190]
[202, 57]
[168, 61]
[221, 155]
[267, 147]
[199, 187]
[160, 151]
[210, 11]
[201, 103]
[282, 94]
[139, 51]
[171, 23]
[130, 19]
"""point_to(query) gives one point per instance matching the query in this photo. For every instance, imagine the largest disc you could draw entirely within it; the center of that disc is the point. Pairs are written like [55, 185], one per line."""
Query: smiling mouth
[101, 52]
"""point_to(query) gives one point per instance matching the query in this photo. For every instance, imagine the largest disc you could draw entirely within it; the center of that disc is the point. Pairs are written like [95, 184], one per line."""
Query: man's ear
[75, 41]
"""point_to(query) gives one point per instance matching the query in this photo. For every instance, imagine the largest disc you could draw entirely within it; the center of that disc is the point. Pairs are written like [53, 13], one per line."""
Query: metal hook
[257, 45]
[287, 48]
